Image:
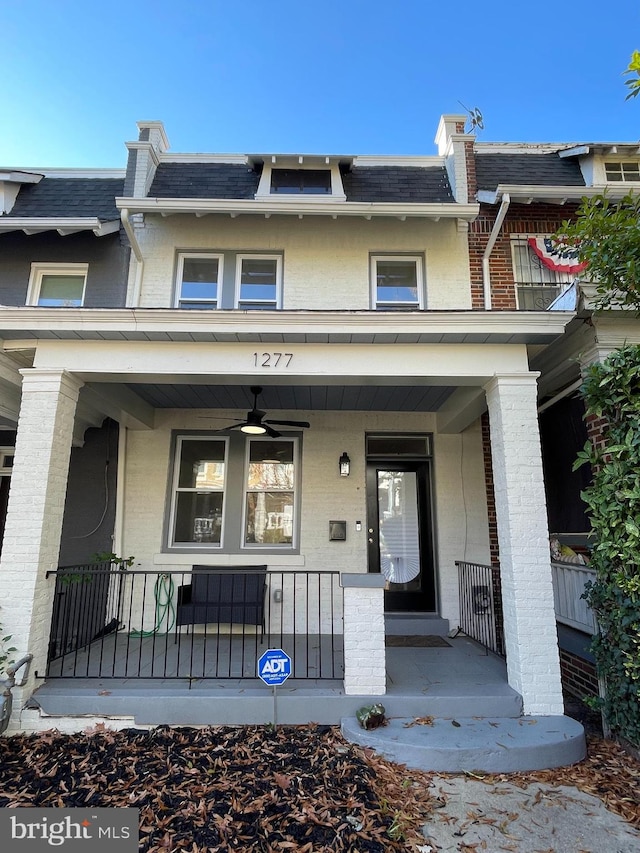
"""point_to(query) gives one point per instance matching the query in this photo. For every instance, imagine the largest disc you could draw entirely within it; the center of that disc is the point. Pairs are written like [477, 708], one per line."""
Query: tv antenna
[475, 117]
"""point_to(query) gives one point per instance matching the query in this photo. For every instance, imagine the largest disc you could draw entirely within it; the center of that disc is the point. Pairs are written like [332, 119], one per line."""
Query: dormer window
[625, 172]
[307, 180]
[301, 181]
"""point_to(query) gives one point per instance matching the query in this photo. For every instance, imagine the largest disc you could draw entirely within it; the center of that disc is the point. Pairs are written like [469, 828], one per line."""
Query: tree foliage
[612, 392]
[606, 234]
[633, 69]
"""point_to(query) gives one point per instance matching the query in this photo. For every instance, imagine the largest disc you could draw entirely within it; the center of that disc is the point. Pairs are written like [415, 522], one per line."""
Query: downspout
[133, 240]
[497, 225]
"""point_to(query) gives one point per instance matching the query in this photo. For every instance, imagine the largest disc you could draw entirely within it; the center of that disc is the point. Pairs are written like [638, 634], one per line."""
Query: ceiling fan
[255, 422]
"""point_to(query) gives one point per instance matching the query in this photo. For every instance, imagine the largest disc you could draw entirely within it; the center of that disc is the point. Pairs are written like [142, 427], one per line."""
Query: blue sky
[283, 76]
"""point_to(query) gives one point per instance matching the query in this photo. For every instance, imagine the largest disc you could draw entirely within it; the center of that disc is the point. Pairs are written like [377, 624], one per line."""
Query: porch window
[536, 285]
[199, 281]
[198, 496]
[270, 492]
[57, 285]
[396, 282]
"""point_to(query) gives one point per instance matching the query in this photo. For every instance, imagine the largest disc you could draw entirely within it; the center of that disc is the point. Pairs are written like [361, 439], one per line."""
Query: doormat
[417, 640]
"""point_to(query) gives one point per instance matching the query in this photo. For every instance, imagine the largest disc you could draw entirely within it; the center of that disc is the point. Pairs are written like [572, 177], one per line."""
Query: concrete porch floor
[451, 680]
[457, 682]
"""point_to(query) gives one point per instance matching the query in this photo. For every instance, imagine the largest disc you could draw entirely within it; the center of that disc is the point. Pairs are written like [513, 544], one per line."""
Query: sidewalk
[479, 817]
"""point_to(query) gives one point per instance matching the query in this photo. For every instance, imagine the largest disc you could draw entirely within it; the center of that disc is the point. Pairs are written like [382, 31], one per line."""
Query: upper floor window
[397, 282]
[199, 278]
[228, 279]
[296, 181]
[540, 275]
[57, 285]
[626, 171]
[258, 281]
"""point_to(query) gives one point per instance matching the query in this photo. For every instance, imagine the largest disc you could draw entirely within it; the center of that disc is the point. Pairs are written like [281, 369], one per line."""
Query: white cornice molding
[398, 160]
[506, 326]
[302, 207]
[18, 176]
[63, 225]
[528, 193]
[194, 159]
[54, 172]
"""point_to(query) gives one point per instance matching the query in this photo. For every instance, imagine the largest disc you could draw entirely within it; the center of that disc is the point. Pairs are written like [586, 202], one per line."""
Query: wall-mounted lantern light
[345, 465]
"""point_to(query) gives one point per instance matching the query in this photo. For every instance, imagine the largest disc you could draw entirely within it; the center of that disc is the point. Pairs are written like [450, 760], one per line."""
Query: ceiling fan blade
[288, 423]
[272, 433]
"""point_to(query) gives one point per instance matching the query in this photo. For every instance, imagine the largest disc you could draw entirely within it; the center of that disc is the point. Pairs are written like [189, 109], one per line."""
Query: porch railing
[481, 605]
[569, 582]
[112, 623]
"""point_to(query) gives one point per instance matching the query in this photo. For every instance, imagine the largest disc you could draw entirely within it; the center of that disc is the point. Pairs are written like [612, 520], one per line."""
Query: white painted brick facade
[365, 670]
[458, 493]
[527, 594]
[34, 515]
[326, 261]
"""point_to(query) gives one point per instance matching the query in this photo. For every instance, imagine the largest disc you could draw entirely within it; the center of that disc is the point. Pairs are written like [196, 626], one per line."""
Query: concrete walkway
[540, 818]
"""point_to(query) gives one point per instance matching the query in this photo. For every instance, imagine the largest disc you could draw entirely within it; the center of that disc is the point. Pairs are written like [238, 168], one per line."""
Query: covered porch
[429, 390]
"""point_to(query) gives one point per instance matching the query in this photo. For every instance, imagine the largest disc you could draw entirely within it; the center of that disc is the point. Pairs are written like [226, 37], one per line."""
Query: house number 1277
[272, 359]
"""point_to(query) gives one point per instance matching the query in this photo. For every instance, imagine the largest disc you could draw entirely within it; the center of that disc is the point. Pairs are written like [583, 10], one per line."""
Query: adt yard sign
[274, 667]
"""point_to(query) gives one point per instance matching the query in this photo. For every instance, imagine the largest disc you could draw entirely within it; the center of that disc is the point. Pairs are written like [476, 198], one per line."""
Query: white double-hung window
[229, 279]
[397, 282]
[199, 280]
[258, 282]
[57, 285]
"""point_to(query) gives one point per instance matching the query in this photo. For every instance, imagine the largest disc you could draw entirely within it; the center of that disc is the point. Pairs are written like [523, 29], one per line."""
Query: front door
[399, 533]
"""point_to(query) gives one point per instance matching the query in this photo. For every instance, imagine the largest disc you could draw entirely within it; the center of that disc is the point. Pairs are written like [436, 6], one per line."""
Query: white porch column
[533, 664]
[34, 514]
[365, 664]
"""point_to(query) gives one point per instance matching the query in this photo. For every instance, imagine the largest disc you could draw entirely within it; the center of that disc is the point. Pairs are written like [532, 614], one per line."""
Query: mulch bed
[255, 789]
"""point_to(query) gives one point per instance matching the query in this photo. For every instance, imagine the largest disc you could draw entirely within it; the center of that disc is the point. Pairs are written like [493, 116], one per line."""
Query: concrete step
[489, 745]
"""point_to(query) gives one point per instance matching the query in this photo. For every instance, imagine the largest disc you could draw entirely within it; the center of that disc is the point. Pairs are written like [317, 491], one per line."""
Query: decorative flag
[555, 258]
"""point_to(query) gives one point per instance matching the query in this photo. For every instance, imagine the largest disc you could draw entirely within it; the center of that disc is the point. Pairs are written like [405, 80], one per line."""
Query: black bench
[213, 595]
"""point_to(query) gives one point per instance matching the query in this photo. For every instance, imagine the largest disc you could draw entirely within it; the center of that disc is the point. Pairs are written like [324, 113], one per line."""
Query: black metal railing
[114, 623]
[480, 596]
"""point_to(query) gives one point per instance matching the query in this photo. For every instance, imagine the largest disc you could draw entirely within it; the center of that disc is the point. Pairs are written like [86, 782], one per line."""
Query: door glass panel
[398, 525]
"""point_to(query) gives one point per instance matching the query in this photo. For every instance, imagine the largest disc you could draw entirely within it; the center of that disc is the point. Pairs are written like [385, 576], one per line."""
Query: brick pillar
[527, 594]
[365, 667]
[34, 514]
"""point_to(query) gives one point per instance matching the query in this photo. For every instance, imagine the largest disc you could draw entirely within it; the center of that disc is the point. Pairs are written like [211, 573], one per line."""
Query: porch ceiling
[360, 398]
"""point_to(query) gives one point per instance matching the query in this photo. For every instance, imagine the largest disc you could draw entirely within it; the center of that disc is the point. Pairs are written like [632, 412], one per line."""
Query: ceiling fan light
[253, 429]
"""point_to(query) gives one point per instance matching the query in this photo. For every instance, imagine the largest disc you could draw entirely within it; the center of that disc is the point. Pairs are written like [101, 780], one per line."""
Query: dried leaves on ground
[256, 789]
[248, 788]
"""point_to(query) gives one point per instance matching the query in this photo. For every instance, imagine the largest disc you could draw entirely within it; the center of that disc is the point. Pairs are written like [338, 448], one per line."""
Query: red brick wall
[494, 550]
[520, 219]
[578, 675]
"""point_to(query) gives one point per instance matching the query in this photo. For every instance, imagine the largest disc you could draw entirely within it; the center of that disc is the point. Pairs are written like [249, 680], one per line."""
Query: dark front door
[399, 533]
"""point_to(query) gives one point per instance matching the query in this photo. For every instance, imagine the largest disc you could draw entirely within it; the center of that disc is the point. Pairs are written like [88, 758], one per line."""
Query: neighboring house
[526, 192]
[376, 299]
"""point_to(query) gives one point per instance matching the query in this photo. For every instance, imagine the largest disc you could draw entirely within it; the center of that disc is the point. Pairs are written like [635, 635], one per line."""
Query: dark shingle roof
[229, 181]
[204, 180]
[397, 183]
[69, 197]
[527, 169]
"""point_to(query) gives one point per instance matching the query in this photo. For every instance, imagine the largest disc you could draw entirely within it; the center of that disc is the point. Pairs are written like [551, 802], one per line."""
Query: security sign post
[274, 667]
